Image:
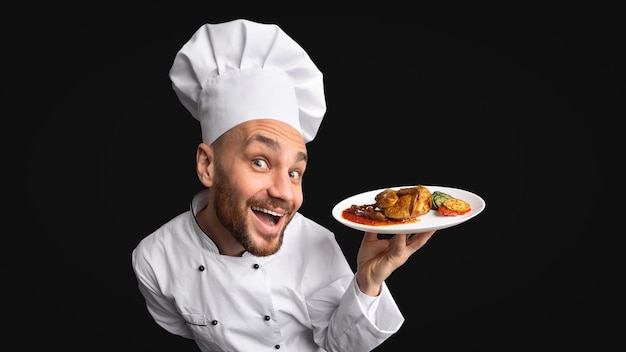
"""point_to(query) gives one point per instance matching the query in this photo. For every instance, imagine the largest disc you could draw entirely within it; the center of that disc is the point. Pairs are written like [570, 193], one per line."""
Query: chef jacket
[302, 298]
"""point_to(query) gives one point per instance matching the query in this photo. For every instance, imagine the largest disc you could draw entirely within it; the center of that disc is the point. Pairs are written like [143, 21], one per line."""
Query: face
[257, 186]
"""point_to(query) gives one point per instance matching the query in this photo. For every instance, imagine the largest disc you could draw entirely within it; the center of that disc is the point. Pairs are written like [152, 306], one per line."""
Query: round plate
[432, 220]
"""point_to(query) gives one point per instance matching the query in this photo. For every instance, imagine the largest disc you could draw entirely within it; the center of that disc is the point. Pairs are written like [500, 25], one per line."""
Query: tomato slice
[448, 212]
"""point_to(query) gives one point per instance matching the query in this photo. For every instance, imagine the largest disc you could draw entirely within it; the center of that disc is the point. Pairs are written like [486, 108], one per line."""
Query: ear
[205, 163]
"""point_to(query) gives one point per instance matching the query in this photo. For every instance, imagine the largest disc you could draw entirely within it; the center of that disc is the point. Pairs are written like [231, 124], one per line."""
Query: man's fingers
[417, 240]
[370, 236]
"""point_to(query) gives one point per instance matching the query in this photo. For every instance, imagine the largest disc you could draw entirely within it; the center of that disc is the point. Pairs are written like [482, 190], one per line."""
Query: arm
[162, 309]
[344, 317]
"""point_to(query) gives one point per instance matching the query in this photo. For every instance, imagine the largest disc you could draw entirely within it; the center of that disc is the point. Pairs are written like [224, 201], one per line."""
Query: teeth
[271, 216]
[266, 211]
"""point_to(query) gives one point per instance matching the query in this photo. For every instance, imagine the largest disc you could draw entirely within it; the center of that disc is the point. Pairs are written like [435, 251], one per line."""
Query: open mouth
[272, 217]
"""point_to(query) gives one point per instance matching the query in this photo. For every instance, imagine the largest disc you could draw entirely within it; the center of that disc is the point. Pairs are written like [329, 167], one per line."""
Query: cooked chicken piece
[423, 202]
[412, 202]
[408, 190]
[386, 198]
[403, 204]
[401, 209]
[368, 211]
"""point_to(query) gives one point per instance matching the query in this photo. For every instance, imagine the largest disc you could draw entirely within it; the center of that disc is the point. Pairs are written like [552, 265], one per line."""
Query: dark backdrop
[513, 103]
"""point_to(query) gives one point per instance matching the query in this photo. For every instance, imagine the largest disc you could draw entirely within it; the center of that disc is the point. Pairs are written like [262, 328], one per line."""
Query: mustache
[271, 203]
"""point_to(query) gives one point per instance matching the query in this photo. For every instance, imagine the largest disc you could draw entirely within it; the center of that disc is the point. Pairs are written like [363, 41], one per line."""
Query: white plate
[432, 220]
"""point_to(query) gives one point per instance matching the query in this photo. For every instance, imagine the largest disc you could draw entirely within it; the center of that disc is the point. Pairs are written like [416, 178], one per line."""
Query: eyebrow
[273, 144]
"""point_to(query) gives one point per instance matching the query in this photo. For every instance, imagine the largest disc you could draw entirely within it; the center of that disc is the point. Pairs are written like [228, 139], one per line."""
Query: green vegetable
[439, 198]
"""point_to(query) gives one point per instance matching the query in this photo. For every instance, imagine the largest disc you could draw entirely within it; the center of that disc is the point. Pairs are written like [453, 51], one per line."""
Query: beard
[234, 219]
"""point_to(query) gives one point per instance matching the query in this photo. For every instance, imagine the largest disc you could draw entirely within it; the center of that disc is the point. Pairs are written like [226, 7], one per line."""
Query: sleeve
[344, 318]
[356, 322]
[162, 308]
[382, 310]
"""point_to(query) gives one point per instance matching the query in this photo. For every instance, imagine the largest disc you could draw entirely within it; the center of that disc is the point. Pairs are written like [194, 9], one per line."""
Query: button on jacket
[303, 298]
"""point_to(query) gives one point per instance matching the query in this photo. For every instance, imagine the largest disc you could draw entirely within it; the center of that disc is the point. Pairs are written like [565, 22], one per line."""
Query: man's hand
[378, 258]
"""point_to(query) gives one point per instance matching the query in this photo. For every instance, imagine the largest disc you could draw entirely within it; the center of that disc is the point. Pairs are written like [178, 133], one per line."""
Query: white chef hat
[240, 70]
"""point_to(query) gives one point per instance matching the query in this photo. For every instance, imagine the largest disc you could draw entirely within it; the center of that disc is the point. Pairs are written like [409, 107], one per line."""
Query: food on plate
[453, 207]
[448, 205]
[438, 199]
[404, 204]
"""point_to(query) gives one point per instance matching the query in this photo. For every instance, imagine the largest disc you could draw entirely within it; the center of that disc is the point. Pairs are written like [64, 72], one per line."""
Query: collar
[199, 201]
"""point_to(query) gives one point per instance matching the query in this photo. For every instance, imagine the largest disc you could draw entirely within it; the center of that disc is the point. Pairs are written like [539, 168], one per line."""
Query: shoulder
[171, 237]
[307, 232]
[302, 224]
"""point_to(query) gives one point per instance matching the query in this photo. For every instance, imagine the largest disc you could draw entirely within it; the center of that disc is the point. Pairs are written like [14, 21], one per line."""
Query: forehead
[278, 131]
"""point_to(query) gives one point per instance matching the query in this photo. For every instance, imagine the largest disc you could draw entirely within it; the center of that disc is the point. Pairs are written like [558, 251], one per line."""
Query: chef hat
[236, 71]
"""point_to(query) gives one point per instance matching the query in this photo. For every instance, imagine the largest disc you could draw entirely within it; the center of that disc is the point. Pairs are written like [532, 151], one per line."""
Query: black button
[256, 266]
[267, 317]
[277, 347]
[214, 322]
[201, 268]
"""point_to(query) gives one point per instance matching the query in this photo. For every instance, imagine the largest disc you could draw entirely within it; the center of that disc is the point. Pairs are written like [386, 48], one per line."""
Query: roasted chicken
[402, 204]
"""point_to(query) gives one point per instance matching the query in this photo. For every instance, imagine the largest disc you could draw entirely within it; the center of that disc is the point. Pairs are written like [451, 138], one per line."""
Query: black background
[518, 104]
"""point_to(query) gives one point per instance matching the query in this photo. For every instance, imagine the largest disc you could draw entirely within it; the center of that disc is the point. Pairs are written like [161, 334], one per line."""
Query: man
[242, 270]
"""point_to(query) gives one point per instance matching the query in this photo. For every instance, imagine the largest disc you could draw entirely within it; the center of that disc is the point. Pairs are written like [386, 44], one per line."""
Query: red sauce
[350, 215]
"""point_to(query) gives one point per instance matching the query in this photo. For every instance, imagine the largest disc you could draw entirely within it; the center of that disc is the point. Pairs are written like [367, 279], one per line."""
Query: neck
[211, 227]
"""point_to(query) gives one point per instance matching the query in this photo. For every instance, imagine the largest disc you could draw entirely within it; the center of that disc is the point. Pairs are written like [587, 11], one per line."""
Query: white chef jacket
[302, 298]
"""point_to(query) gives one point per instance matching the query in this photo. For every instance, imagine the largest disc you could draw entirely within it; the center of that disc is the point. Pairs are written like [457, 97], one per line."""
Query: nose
[283, 187]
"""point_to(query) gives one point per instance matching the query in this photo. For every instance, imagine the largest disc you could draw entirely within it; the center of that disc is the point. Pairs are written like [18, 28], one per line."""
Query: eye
[260, 163]
[295, 174]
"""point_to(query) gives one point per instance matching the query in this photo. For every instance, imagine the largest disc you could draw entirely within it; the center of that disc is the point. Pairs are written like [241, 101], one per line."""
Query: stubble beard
[234, 219]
